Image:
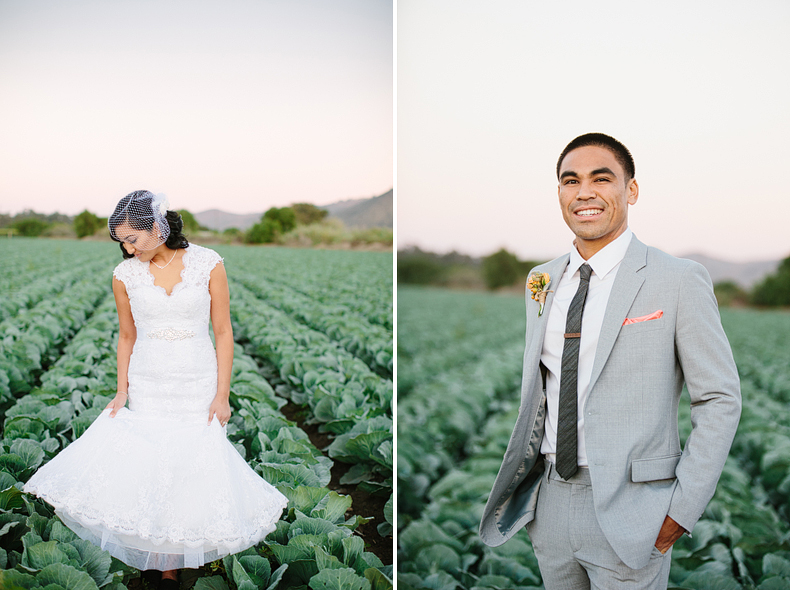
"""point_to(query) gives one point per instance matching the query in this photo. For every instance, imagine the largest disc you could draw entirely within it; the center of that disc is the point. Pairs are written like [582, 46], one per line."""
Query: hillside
[746, 274]
[222, 220]
[364, 213]
[335, 208]
[354, 213]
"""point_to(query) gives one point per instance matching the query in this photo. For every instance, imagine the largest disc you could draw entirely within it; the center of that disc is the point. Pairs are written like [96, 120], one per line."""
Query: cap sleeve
[212, 259]
[204, 261]
[215, 260]
[122, 273]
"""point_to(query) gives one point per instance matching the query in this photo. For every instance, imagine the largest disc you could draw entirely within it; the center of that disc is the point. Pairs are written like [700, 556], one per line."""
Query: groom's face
[594, 197]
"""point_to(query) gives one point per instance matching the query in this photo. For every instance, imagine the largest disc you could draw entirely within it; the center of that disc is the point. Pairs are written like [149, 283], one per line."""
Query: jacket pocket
[654, 468]
[644, 326]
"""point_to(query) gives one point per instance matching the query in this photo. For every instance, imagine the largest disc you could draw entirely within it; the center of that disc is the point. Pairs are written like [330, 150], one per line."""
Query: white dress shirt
[604, 266]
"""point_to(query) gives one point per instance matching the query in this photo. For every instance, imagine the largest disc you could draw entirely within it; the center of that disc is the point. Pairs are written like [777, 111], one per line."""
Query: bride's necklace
[171, 260]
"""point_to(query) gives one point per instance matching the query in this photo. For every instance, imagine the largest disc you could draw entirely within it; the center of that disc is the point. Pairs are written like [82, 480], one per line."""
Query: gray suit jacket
[639, 472]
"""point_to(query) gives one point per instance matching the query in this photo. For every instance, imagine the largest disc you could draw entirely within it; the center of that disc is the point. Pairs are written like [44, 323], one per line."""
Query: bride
[159, 485]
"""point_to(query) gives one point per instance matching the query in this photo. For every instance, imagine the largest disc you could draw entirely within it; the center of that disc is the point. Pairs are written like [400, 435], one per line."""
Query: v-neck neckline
[181, 274]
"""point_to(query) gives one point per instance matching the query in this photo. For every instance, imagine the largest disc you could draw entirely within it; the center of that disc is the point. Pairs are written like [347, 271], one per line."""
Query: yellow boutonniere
[538, 283]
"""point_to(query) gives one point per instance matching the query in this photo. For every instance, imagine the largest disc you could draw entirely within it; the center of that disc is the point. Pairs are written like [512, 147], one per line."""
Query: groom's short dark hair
[621, 153]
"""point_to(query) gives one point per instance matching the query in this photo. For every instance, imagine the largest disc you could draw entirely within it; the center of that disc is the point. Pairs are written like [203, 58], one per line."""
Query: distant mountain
[364, 213]
[746, 274]
[221, 220]
[354, 213]
[335, 208]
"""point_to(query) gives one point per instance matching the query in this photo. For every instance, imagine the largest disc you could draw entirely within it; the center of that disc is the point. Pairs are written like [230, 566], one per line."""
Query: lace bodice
[173, 366]
[186, 309]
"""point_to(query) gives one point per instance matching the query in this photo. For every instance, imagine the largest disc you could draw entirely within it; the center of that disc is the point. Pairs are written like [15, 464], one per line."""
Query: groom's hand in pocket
[669, 533]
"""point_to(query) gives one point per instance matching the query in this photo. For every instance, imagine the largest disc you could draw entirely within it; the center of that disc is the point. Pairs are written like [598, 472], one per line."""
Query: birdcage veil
[140, 219]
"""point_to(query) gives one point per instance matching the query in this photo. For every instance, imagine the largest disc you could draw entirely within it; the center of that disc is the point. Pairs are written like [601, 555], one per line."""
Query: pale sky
[239, 105]
[490, 93]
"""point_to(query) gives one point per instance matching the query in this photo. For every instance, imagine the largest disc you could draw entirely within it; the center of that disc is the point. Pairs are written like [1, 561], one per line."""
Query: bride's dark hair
[175, 240]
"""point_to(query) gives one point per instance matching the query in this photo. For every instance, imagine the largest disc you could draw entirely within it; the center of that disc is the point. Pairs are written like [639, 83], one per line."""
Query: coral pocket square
[652, 316]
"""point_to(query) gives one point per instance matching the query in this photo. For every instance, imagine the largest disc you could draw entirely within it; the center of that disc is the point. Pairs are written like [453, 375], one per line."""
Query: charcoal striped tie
[567, 418]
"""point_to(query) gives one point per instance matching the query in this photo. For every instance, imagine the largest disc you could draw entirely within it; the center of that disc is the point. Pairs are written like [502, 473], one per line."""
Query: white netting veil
[140, 219]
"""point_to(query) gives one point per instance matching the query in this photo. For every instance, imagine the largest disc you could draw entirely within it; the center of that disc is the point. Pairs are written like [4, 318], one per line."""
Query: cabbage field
[311, 393]
[459, 371]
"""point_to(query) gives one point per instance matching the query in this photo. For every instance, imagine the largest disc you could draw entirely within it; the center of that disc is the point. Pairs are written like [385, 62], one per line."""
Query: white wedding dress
[156, 486]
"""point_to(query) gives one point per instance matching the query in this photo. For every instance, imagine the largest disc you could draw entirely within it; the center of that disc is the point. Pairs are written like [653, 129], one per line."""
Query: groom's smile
[588, 211]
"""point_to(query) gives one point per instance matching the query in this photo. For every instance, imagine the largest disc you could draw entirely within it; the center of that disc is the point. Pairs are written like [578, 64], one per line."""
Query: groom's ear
[632, 189]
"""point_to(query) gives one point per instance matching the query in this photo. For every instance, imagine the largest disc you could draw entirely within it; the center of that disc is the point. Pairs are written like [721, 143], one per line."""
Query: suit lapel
[624, 290]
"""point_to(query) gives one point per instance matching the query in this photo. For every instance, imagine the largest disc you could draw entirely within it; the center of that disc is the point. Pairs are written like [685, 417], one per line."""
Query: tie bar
[573, 335]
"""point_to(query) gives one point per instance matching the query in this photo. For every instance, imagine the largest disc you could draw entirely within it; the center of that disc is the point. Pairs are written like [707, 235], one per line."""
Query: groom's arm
[711, 376]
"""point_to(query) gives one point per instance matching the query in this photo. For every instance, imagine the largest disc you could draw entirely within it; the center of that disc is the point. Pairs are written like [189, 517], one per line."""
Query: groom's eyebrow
[595, 172]
[603, 170]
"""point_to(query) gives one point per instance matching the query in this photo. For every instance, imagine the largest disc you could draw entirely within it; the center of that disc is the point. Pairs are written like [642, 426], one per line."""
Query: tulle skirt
[157, 492]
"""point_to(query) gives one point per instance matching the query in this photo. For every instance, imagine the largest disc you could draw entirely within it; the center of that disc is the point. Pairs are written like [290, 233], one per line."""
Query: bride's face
[143, 244]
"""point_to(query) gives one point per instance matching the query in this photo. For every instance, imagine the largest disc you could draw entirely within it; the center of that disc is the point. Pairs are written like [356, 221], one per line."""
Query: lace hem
[162, 558]
[137, 537]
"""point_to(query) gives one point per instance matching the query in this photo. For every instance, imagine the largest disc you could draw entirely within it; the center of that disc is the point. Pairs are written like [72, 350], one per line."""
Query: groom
[594, 467]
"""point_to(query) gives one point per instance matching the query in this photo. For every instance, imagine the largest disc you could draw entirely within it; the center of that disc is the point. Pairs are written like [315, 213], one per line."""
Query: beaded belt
[170, 334]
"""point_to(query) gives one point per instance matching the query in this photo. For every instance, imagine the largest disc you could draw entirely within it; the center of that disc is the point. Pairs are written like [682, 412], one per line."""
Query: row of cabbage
[313, 545]
[441, 549]
[453, 385]
[344, 396]
[37, 286]
[323, 330]
[25, 260]
[761, 345]
[448, 329]
[742, 541]
[31, 338]
[372, 343]
[359, 282]
[437, 422]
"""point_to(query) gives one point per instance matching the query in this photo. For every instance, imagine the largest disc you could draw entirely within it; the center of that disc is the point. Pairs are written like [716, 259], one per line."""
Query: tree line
[503, 269]
[278, 221]
[274, 223]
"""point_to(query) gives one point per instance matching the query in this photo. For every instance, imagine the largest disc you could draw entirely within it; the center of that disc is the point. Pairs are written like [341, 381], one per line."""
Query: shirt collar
[603, 261]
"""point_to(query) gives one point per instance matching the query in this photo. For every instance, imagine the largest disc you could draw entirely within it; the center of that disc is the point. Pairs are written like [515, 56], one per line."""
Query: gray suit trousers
[572, 550]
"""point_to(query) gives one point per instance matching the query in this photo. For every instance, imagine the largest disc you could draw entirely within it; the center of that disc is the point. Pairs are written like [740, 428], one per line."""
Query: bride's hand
[221, 409]
[118, 402]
